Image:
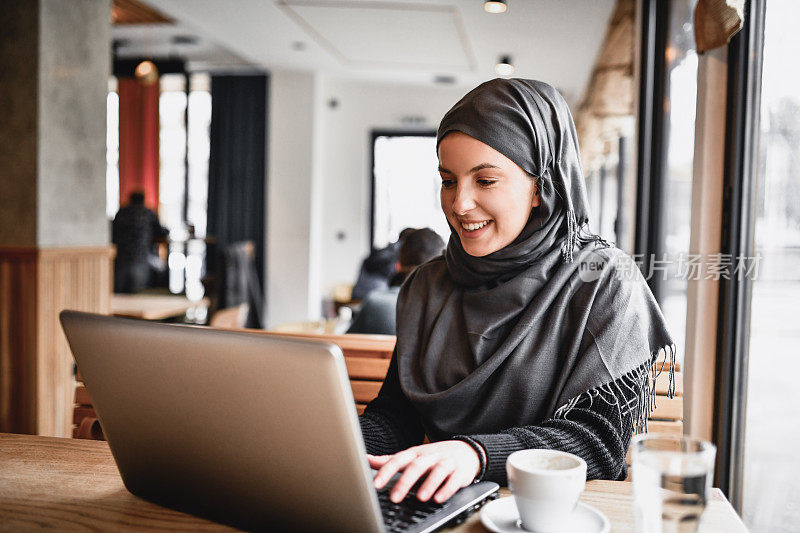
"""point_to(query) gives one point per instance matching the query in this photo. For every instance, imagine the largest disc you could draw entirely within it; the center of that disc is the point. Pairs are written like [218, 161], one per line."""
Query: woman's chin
[487, 244]
[476, 251]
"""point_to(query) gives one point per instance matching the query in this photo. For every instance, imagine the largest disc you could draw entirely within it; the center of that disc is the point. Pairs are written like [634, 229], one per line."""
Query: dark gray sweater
[597, 430]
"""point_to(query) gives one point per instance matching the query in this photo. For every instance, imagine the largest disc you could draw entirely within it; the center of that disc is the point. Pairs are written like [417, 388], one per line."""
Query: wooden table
[151, 306]
[615, 500]
[70, 484]
[321, 327]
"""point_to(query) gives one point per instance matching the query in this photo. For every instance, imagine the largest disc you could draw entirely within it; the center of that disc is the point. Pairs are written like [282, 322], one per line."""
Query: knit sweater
[597, 428]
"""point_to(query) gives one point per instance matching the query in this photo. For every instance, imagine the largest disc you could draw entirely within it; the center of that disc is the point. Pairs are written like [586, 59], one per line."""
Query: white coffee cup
[546, 485]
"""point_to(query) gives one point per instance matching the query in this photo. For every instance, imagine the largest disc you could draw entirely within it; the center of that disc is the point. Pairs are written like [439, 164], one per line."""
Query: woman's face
[485, 196]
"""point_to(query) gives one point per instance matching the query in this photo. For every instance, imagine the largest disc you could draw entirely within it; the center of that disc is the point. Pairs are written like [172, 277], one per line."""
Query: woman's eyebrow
[473, 170]
[476, 168]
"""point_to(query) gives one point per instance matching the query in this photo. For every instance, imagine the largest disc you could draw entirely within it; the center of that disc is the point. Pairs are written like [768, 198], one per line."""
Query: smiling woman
[502, 344]
[489, 204]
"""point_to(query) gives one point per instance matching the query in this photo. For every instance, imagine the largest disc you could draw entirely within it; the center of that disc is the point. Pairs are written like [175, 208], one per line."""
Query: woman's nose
[464, 200]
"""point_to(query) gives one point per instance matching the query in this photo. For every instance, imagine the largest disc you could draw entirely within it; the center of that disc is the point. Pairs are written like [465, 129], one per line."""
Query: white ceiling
[390, 41]
[157, 40]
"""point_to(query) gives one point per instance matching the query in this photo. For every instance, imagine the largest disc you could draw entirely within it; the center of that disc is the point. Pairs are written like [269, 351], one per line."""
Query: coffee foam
[540, 462]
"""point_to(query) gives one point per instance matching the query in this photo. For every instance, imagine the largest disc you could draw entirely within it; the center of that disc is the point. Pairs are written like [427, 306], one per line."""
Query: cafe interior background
[307, 128]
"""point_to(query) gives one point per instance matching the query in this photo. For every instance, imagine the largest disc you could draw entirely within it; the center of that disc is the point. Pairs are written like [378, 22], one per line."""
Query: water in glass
[671, 482]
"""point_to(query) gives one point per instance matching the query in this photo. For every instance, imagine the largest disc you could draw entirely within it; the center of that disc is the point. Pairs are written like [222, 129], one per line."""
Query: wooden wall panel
[78, 279]
[40, 398]
[17, 339]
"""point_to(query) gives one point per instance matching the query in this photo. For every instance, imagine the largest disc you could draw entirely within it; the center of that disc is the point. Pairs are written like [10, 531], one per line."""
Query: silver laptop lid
[201, 420]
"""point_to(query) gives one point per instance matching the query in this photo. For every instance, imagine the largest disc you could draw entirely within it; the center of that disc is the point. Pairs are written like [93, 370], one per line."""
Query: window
[182, 202]
[611, 186]
[772, 421]
[406, 186]
[172, 154]
[182, 198]
[112, 150]
[679, 121]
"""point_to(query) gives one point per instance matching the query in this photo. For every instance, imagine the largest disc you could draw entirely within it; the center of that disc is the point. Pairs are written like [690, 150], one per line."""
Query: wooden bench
[84, 419]
[367, 359]
[667, 417]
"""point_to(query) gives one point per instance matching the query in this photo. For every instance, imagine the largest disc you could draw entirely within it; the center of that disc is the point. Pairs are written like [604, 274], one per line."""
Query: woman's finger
[455, 482]
[435, 478]
[412, 472]
[377, 461]
[397, 462]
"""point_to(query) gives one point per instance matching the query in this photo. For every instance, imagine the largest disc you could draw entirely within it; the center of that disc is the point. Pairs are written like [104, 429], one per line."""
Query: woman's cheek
[443, 202]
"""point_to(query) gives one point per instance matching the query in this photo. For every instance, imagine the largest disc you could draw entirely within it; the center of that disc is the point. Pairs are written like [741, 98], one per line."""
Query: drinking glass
[671, 482]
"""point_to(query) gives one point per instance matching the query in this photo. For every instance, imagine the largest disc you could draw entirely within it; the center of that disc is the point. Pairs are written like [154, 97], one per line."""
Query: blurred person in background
[377, 269]
[377, 313]
[135, 232]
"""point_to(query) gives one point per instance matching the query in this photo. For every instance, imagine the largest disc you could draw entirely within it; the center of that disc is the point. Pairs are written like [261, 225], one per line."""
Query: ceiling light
[504, 66]
[146, 72]
[497, 6]
[183, 40]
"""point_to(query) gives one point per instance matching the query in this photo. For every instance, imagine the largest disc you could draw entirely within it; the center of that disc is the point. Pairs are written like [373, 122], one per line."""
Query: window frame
[743, 102]
[651, 161]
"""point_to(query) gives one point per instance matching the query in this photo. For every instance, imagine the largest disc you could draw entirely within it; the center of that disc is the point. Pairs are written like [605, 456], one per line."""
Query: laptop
[253, 431]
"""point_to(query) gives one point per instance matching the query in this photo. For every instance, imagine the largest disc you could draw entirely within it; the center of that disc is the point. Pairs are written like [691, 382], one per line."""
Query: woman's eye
[486, 182]
[447, 183]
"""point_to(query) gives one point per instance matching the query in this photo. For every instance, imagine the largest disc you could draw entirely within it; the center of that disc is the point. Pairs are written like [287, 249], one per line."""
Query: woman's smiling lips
[473, 229]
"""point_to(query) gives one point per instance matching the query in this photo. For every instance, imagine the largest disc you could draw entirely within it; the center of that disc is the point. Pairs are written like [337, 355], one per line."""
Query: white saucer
[501, 516]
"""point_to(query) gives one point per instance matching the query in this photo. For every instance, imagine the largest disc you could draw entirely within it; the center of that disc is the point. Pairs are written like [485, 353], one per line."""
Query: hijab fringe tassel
[640, 384]
[578, 233]
[572, 237]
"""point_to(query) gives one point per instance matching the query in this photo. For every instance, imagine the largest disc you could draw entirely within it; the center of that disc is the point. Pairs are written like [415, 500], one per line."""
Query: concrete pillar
[54, 252]
[294, 202]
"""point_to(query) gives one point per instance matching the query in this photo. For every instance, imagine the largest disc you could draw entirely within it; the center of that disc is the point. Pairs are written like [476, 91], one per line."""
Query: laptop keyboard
[400, 516]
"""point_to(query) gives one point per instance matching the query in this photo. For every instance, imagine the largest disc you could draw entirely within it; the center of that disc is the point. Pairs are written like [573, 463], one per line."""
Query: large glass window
[185, 117]
[406, 186]
[198, 144]
[771, 492]
[611, 188]
[199, 124]
[182, 211]
[112, 150]
[680, 104]
[172, 152]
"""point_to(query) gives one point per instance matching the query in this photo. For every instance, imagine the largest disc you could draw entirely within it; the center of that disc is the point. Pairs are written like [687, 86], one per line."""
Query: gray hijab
[522, 334]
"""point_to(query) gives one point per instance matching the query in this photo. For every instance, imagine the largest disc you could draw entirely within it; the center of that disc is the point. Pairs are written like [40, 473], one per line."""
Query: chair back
[84, 419]
[230, 317]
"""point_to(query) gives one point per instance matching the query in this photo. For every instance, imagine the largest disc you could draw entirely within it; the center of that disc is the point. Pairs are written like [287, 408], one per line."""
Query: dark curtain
[237, 175]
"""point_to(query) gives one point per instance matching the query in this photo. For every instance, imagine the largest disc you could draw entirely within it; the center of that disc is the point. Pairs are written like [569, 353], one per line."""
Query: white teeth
[474, 226]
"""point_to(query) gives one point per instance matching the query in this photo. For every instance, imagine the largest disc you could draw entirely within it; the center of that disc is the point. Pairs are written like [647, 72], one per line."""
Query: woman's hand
[450, 465]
